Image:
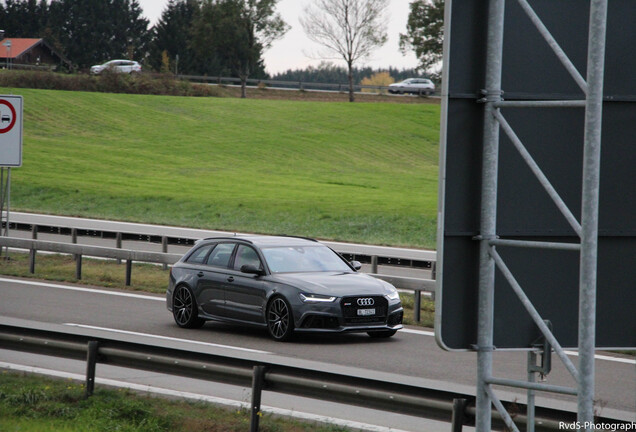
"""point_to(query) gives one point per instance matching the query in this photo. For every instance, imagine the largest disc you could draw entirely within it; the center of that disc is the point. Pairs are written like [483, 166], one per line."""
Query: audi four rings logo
[365, 302]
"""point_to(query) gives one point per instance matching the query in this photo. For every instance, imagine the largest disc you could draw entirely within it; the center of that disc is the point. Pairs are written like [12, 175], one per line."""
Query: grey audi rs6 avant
[285, 284]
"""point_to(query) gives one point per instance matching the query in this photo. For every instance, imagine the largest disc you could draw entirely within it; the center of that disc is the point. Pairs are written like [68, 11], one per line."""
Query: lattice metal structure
[568, 232]
[587, 229]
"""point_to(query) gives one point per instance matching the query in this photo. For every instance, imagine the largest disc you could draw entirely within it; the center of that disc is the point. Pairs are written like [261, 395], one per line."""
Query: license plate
[366, 312]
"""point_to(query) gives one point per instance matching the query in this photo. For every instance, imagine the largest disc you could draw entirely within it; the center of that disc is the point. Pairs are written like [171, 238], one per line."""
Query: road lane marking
[605, 357]
[230, 403]
[418, 332]
[161, 299]
[90, 327]
[88, 290]
[570, 353]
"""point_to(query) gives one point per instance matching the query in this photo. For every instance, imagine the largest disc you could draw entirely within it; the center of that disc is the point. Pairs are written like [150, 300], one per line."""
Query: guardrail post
[164, 249]
[258, 382]
[31, 260]
[434, 270]
[417, 305]
[459, 414]
[374, 264]
[34, 232]
[78, 266]
[74, 235]
[118, 244]
[128, 271]
[91, 361]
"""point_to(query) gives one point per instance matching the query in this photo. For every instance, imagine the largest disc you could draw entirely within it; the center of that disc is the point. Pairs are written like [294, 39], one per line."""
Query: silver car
[286, 285]
[117, 66]
[422, 86]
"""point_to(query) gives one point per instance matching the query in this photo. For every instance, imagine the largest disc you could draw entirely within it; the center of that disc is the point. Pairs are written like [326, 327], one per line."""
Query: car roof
[268, 241]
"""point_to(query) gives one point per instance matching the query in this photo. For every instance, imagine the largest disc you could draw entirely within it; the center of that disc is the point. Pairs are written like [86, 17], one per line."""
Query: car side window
[246, 255]
[220, 256]
[198, 256]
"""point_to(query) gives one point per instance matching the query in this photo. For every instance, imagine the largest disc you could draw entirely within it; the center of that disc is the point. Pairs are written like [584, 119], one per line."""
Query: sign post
[10, 151]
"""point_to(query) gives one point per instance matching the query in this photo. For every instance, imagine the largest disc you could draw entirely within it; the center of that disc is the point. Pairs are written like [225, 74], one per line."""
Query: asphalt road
[412, 353]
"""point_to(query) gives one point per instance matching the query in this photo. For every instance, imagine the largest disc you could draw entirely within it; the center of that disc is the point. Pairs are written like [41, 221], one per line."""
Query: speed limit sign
[10, 131]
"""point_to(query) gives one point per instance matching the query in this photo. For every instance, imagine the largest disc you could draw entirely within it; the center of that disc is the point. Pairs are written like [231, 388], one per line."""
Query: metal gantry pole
[589, 210]
[489, 214]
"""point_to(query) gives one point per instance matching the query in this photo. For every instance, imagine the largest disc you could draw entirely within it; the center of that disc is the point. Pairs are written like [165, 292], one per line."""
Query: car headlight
[316, 298]
[393, 295]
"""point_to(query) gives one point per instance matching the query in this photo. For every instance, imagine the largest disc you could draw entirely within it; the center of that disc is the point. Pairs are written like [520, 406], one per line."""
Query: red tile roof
[18, 46]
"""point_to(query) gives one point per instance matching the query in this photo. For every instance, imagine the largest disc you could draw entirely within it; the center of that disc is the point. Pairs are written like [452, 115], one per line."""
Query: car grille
[351, 306]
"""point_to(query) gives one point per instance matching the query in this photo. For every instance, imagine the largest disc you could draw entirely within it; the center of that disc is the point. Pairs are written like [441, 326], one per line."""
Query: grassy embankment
[37, 404]
[363, 172]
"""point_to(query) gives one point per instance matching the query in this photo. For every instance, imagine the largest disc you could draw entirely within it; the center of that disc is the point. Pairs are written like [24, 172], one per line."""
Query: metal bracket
[542, 345]
[490, 95]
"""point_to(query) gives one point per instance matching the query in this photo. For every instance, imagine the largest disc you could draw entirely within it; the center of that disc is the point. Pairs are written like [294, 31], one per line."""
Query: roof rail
[236, 237]
[298, 237]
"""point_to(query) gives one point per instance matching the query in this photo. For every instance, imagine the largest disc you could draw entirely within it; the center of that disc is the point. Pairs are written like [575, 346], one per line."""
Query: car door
[213, 275]
[245, 293]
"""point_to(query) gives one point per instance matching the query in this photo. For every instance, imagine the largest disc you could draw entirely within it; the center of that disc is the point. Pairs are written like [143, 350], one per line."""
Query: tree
[171, 35]
[92, 32]
[236, 32]
[425, 33]
[348, 29]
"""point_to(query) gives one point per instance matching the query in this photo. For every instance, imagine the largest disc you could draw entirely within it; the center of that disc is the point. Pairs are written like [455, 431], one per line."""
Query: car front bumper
[344, 316]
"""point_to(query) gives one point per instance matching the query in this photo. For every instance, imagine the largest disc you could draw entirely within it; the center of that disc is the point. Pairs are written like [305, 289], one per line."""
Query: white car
[117, 66]
[421, 86]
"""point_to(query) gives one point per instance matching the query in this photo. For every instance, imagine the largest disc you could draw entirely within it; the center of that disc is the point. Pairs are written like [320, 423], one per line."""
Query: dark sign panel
[554, 138]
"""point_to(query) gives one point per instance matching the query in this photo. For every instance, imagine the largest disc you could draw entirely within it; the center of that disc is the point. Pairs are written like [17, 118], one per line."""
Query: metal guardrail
[78, 251]
[251, 371]
[296, 85]
[121, 231]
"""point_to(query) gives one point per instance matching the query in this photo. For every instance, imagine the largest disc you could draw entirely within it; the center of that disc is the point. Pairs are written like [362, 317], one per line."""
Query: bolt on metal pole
[488, 214]
[589, 210]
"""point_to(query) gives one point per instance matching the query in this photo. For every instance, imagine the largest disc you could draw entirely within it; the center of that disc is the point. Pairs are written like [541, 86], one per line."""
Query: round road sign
[5, 118]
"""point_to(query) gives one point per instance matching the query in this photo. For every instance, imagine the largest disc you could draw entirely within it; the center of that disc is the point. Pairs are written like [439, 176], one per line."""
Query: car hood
[335, 283]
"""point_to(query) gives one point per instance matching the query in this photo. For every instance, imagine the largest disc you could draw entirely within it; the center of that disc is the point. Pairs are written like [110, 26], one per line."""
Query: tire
[184, 308]
[381, 334]
[280, 322]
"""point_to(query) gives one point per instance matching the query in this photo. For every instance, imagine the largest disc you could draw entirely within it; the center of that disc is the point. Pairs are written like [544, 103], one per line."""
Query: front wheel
[184, 308]
[280, 323]
[381, 334]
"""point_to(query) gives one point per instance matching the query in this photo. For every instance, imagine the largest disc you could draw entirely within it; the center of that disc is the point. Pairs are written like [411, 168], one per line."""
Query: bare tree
[348, 29]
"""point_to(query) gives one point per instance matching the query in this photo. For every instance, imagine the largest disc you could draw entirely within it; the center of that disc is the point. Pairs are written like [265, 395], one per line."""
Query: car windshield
[294, 259]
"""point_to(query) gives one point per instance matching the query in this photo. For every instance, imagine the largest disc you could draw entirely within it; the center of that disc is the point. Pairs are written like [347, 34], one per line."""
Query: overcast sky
[295, 51]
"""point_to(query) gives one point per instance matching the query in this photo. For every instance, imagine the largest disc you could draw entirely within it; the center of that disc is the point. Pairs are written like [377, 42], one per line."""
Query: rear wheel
[280, 323]
[184, 308]
[382, 334]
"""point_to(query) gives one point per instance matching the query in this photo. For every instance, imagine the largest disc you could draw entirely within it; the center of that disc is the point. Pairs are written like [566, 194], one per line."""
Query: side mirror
[251, 269]
[356, 265]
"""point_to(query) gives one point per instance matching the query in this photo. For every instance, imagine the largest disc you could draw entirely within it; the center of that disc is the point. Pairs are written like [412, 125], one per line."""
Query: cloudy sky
[295, 51]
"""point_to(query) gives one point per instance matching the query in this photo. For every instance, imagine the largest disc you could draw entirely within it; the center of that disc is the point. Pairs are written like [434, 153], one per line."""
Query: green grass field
[40, 404]
[363, 172]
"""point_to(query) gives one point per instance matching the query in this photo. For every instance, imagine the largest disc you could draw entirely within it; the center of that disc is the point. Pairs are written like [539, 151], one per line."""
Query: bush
[107, 82]
[381, 79]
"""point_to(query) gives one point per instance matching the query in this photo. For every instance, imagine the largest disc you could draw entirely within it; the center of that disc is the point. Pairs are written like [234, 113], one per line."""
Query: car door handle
[230, 279]
[200, 274]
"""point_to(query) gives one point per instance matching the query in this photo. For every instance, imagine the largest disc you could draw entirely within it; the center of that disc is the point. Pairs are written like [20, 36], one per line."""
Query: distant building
[31, 53]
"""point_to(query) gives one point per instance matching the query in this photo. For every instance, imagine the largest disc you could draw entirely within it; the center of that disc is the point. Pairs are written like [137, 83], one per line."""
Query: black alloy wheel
[184, 308]
[280, 323]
